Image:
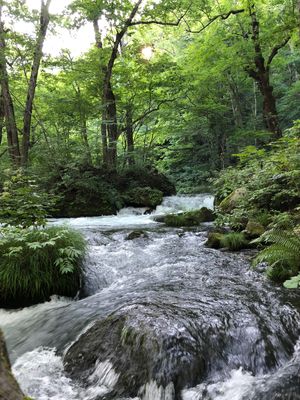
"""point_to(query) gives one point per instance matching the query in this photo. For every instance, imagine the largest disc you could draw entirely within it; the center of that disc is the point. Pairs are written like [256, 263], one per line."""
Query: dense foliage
[166, 88]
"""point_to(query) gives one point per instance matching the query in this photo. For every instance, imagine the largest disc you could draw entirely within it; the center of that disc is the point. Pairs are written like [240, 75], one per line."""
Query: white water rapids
[120, 273]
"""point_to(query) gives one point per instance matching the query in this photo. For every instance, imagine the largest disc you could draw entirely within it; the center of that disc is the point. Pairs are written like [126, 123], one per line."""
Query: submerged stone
[136, 234]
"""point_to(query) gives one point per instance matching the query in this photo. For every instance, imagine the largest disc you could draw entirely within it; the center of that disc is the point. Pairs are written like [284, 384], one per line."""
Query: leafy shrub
[143, 197]
[35, 264]
[282, 254]
[271, 179]
[22, 203]
[234, 241]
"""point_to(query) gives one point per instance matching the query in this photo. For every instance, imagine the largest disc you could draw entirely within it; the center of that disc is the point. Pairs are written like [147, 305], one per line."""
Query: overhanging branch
[275, 50]
[223, 16]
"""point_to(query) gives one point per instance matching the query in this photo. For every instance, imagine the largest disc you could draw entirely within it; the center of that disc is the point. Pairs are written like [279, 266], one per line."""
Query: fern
[282, 254]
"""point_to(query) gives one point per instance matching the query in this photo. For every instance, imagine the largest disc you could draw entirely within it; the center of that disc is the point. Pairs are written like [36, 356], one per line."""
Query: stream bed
[159, 317]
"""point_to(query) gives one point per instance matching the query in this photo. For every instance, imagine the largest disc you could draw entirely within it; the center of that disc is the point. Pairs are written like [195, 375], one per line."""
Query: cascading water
[163, 318]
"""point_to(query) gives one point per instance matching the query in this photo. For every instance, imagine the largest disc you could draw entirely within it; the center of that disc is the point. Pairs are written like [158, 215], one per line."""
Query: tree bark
[38, 53]
[8, 107]
[129, 136]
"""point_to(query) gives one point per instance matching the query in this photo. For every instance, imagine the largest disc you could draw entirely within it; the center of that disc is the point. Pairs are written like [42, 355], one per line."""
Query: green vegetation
[282, 255]
[234, 241]
[268, 208]
[36, 264]
[22, 203]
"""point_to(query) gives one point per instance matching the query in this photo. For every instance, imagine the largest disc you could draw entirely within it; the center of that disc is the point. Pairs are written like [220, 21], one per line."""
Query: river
[159, 317]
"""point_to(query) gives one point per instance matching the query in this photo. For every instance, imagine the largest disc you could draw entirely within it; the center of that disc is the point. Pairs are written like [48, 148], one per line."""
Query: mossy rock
[254, 229]
[9, 388]
[143, 197]
[214, 240]
[136, 234]
[189, 218]
[233, 200]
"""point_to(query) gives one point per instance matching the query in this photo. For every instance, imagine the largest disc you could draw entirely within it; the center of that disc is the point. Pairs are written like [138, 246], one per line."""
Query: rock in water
[9, 388]
[146, 360]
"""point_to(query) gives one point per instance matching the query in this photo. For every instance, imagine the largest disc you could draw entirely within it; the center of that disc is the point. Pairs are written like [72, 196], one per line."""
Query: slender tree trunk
[112, 128]
[85, 139]
[8, 107]
[38, 53]
[261, 74]
[235, 103]
[129, 136]
[2, 117]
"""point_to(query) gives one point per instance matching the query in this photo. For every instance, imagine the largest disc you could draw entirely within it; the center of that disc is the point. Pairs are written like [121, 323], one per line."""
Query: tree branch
[223, 16]
[164, 23]
[275, 50]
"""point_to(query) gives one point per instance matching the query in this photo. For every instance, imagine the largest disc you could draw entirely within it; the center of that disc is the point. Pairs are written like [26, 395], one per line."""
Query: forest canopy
[178, 86]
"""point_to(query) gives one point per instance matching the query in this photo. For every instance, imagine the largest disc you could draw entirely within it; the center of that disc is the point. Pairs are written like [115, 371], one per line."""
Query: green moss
[35, 264]
[189, 218]
[254, 229]
[232, 201]
[214, 240]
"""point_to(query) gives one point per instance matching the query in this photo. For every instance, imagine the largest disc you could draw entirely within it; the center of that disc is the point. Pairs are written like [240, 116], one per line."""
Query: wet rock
[232, 201]
[9, 388]
[139, 353]
[136, 234]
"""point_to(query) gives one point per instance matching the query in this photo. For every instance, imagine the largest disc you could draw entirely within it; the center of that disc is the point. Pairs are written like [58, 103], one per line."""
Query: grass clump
[234, 241]
[37, 263]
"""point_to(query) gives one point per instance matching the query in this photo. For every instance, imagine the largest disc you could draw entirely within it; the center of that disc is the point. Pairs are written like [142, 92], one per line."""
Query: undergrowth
[37, 263]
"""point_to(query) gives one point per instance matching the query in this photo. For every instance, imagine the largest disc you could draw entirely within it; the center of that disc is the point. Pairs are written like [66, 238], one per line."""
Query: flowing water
[159, 317]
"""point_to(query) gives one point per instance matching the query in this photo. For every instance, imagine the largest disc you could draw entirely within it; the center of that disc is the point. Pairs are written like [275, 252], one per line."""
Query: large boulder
[9, 388]
[141, 355]
[233, 200]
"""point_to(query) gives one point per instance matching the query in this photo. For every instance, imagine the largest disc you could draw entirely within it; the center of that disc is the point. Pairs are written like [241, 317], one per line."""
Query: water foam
[41, 375]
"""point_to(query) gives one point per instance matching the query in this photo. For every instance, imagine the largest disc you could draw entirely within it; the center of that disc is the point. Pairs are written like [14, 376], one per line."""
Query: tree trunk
[129, 136]
[38, 53]
[2, 117]
[9, 112]
[85, 139]
[261, 74]
[109, 125]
